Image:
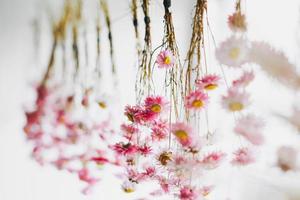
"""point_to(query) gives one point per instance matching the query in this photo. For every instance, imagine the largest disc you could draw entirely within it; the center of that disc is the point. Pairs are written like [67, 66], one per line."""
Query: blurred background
[21, 64]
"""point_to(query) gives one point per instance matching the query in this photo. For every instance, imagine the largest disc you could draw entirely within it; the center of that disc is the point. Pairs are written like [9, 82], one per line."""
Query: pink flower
[196, 100]
[243, 156]
[84, 175]
[250, 127]
[287, 158]
[129, 131]
[246, 78]
[235, 100]
[165, 59]
[133, 113]
[125, 149]
[187, 193]
[208, 82]
[183, 133]
[156, 104]
[212, 160]
[160, 130]
[144, 150]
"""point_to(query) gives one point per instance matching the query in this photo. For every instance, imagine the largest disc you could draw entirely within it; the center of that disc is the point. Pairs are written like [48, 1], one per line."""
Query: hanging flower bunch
[235, 53]
[147, 155]
[69, 127]
[161, 143]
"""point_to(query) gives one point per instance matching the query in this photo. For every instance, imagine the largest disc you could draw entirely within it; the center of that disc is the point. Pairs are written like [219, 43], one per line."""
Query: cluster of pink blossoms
[57, 127]
[147, 155]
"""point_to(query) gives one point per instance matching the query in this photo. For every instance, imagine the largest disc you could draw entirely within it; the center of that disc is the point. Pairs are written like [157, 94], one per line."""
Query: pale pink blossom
[235, 100]
[196, 100]
[275, 63]
[206, 190]
[165, 59]
[208, 82]
[212, 160]
[188, 193]
[243, 156]
[233, 52]
[250, 127]
[246, 78]
[287, 158]
[183, 133]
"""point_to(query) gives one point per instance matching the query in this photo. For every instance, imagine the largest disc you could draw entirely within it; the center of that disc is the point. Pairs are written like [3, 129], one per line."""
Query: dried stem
[105, 10]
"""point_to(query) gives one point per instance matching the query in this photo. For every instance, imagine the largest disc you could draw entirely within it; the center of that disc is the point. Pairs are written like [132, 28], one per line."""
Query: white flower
[233, 52]
[128, 186]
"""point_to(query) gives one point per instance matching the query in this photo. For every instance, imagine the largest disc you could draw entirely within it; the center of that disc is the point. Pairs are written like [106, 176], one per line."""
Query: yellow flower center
[236, 106]
[128, 190]
[102, 104]
[197, 103]
[181, 135]
[206, 193]
[234, 53]
[156, 108]
[167, 60]
[211, 86]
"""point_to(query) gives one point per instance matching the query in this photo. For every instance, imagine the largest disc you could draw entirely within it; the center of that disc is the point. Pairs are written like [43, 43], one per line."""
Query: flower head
[250, 127]
[287, 158]
[156, 104]
[188, 193]
[133, 113]
[196, 100]
[129, 131]
[183, 133]
[235, 100]
[212, 160]
[233, 52]
[165, 59]
[164, 157]
[246, 78]
[128, 186]
[237, 22]
[243, 156]
[125, 149]
[159, 130]
[208, 82]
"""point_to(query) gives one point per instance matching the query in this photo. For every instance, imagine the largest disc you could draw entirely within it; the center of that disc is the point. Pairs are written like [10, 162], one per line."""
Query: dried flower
[243, 156]
[235, 100]
[250, 127]
[208, 82]
[246, 78]
[212, 160]
[287, 158]
[165, 59]
[196, 100]
[183, 133]
[233, 52]
[237, 22]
